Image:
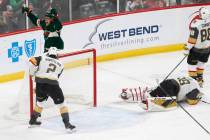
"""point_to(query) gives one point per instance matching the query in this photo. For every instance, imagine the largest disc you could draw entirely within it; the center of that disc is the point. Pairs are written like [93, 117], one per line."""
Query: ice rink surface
[114, 119]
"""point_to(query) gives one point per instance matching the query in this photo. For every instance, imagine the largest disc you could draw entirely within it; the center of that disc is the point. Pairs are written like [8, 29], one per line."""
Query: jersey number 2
[51, 68]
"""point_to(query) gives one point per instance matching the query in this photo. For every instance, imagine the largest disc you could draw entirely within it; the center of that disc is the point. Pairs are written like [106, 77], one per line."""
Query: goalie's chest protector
[49, 68]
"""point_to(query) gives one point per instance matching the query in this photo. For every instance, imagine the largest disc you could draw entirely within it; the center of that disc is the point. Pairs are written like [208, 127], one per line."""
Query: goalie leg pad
[161, 103]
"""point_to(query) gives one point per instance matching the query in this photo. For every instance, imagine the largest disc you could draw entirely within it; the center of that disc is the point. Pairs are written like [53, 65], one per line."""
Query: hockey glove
[186, 50]
[25, 9]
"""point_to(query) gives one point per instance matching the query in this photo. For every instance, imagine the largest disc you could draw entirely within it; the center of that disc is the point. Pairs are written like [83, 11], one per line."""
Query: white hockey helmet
[52, 51]
[203, 13]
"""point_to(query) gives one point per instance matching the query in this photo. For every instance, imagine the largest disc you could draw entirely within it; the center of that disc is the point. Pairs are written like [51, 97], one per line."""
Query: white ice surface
[113, 119]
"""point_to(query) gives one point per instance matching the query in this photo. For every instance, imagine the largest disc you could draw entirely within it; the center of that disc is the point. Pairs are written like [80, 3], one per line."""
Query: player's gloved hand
[186, 50]
[25, 9]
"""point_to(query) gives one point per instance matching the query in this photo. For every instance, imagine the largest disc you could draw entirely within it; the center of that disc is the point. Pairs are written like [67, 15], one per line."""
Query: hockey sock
[38, 109]
[200, 73]
[193, 74]
[64, 115]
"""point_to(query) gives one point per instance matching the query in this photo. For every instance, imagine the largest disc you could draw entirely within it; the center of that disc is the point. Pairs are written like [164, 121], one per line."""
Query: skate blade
[33, 126]
[70, 131]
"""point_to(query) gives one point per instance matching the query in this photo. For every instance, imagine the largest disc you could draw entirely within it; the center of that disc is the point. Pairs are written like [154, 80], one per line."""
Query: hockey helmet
[203, 13]
[52, 51]
[54, 12]
[51, 13]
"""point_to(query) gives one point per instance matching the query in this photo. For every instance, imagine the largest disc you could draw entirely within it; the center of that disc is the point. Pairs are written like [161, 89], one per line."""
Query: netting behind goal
[78, 82]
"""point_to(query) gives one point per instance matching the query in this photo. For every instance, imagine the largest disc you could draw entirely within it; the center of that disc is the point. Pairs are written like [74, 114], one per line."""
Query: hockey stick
[175, 67]
[186, 111]
[205, 102]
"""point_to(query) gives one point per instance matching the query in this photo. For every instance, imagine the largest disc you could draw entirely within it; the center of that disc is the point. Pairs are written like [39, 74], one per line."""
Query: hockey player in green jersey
[51, 26]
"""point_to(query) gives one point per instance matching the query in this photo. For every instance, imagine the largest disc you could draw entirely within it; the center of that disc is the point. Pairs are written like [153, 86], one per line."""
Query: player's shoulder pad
[195, 23]
[33, 61]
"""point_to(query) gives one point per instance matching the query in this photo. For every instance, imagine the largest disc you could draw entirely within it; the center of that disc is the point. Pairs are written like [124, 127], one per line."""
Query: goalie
[166, 95]
[47, 70]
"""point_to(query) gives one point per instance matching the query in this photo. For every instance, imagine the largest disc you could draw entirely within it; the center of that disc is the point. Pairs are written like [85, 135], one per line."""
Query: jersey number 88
[205, 34]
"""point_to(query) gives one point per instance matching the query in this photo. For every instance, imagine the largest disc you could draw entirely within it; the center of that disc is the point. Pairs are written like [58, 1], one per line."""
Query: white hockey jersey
[199, 34]
[48, 68]
[186, 84]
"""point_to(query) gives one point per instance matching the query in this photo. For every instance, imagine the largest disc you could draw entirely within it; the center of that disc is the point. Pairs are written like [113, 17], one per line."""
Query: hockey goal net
[78, 82]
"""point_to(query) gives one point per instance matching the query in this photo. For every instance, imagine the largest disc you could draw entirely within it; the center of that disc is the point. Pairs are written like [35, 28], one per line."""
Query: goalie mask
[204, 13]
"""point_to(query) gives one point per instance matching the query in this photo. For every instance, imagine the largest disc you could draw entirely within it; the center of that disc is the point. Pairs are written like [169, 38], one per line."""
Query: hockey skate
[33, 121]
[33, 124]
[70, 128]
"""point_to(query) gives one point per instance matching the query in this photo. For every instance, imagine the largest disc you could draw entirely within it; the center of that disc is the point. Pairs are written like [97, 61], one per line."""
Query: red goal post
[69, 54]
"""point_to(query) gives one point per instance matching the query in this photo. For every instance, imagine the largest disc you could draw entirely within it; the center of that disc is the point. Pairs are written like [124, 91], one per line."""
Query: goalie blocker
[177, 89]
